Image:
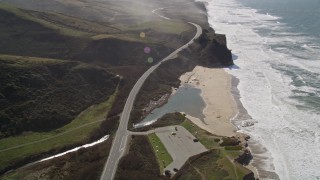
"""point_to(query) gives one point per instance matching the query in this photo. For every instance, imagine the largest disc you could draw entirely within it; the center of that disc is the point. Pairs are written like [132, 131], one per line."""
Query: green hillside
[39, 94]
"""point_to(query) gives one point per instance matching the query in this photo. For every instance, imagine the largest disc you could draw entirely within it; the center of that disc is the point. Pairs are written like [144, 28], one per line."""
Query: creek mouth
[186, 99]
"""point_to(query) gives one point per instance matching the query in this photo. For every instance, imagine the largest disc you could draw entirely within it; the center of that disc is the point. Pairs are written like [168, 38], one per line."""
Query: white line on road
[121, 144]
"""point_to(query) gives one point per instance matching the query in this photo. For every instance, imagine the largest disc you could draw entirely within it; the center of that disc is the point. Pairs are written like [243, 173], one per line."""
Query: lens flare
[147, 50]
[142, 35]
[150, 60]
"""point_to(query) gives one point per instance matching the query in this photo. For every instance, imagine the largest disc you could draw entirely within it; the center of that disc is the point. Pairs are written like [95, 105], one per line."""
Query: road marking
[121, 148]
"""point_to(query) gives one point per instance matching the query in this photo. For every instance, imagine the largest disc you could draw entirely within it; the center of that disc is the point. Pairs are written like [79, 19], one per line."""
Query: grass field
[163, 157]
[235, 170]
[26, 16]
[25, 60]
[19, 147]
[170, 27]
[206, 167]
[128, 38]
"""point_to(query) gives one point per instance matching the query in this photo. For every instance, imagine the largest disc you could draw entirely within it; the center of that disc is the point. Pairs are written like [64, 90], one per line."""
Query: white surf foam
[290, 135]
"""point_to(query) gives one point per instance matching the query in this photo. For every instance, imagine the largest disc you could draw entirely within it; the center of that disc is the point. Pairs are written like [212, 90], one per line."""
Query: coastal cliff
[213, 49]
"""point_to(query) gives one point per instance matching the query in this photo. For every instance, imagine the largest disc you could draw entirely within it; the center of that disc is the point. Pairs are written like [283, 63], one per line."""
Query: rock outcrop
[245, 158]
[213, 49]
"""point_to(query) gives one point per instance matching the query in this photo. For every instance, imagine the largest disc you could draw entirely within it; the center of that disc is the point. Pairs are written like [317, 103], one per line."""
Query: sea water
[276, 45]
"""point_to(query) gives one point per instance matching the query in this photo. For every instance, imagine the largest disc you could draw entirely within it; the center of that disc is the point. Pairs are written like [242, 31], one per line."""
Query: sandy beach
[215, 85]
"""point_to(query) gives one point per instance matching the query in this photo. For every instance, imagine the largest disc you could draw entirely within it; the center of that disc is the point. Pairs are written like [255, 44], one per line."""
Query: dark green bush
[233, 148]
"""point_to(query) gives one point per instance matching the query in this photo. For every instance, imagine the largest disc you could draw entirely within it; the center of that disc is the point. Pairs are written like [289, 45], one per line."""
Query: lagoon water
[186, 99]
[277, 45]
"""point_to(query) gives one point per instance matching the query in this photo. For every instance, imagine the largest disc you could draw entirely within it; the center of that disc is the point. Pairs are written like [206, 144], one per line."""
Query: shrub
[233, 148]
[230, 141]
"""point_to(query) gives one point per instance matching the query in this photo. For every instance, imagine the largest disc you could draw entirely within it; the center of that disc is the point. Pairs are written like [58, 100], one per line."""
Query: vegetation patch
[27, 15]
[170, 27]
[17, 148]
[40, 95]
[204, 167]
[163, 157]
[69, 25]
[206, 138]
[230, 141]
[233, 148]
[213, 165]
[128, 37]
[140, 163]
[235, 170]
[86, 164]
[52, 36]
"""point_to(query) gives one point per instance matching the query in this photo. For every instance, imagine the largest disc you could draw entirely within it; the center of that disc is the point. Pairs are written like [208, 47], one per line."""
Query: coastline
[260, 164]
[215, 86]
[224, 111]
[263, 162]
[241, 118]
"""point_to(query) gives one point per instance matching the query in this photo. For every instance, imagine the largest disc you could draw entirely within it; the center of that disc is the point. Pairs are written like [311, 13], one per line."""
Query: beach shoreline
[215, 86]
[260, 164]
[224, 111]
[266, 160]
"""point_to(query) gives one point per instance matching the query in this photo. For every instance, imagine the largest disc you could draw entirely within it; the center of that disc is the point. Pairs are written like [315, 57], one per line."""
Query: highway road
[120, 142]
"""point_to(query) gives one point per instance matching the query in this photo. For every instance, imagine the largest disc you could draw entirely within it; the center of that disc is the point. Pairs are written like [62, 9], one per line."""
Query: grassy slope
[21, 30]
[23, 15]
[170, 27]
[163, 157]
[85, 164]
[81, 125]
[205, 167]
[69, 25]
[64, 37]
[212, 166]
[75, 132]
[42, 94]
[17, 148]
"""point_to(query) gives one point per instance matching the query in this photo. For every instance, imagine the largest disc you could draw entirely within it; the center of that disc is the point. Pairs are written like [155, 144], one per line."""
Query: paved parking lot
[180, 146]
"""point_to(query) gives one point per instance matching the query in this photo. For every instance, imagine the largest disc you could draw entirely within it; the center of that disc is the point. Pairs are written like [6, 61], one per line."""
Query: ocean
[276, 50]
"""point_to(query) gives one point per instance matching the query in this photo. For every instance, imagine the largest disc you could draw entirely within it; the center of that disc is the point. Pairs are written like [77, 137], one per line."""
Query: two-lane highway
[120, 141]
